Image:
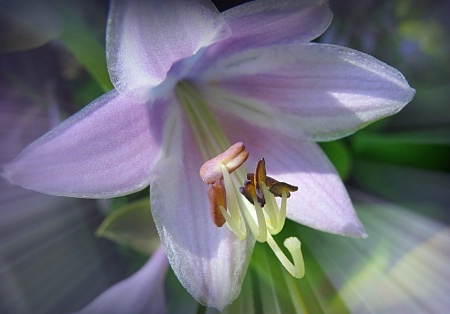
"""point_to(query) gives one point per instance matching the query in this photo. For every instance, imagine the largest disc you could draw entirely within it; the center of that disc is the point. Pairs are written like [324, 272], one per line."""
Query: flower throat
[253, 204]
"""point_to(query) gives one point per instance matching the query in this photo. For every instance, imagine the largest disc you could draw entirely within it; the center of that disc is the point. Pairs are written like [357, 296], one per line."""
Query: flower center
[238, 208]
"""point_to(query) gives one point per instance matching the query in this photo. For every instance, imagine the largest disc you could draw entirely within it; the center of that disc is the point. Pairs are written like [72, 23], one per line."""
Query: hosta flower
[189, 82]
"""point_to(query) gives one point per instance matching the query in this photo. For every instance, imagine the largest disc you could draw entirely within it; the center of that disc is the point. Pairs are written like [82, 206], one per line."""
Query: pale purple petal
[146, 37]
[142, 293]
[210, 262]
[321, 201]
[313, 91]
[267, 22]
[105, 150]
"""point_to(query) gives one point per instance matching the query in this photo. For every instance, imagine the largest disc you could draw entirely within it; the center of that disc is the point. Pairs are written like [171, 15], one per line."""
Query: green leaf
[86, 48]
[425, 149]
[408, 186]
[132, 225]
[339, 155]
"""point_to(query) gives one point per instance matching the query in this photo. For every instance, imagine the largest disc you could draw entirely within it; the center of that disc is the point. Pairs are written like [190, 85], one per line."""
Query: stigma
[252, 205]
[232, 158]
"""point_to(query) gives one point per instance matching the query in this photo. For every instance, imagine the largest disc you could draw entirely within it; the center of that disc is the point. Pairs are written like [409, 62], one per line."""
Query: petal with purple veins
[210, 262]
[268, 22]
[145, 38]
[321, 201]
[105, 150]
[315, 92]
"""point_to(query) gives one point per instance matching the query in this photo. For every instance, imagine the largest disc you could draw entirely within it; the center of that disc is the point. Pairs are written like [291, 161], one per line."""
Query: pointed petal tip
[408, 93]
[355, 231]
[8, 173]
[412, 93]
[5, 174]
[105, 150]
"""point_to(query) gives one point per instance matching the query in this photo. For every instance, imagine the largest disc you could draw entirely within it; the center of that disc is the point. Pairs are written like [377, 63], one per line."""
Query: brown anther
[217, 198]
[232, 158]
[252, 185]
[278, 188]
[248, 190]
[260, 176]
[269, 180]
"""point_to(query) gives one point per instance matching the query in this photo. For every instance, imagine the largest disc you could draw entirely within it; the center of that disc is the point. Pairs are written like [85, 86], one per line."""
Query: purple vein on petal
[105, 150]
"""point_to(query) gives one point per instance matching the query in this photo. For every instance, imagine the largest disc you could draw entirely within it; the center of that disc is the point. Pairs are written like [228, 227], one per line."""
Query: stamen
[264, 217]
[271, 206]
[259, 231]
[240, 232]
[278, 187]
[260, 189]
[232, 202]
[260, 176]
[281, 214]
[232, 158]
[217, 199]
[262, 236]
[274, 186]
[249, 191]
